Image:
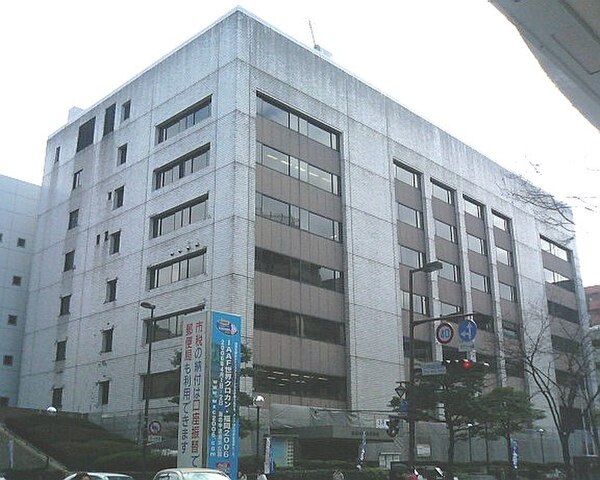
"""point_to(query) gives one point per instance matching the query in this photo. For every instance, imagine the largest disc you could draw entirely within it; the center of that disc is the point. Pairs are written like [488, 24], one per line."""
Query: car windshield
[203, 476]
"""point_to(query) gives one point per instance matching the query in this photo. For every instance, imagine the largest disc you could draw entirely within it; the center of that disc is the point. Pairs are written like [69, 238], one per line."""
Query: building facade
[248, 173]
[18, 219]
[592, 297]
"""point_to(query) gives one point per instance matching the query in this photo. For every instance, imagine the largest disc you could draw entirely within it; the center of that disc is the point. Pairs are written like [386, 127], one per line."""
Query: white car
[190, 474]
[103, 476]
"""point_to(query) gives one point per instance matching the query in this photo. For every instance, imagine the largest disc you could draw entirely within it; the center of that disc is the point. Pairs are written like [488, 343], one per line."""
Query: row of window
[298, 325]
[298, 270]
[559, 280]
[281, 381]
[295, 168]
[289, 118]
[282, 212]
[110, 296]
[184, 120]
[105, 346]
[103, 394]
[180, 216]
[555, 249]
[445, 194]
[183, 166]
[561, 311]
[178, 269]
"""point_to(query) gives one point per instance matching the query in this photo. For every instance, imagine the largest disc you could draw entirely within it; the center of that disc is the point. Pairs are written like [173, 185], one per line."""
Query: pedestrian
[260, 474]
[242, 476]
[338, 475]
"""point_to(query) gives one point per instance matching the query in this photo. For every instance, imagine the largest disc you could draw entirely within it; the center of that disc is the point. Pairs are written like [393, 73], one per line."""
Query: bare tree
[558, 359]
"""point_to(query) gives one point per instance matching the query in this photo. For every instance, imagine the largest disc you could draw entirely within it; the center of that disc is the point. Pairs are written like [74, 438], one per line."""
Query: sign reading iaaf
[209, 386]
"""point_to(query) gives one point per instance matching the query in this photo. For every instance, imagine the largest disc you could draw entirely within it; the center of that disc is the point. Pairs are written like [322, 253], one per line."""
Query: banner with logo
[223, 422]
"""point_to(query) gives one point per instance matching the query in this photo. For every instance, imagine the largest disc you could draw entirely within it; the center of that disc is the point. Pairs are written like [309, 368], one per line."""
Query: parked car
[103, 476]
[190, 474]
[431, 472]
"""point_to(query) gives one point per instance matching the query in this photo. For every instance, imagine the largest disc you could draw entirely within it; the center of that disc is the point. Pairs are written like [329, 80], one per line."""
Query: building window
[298, 270]
[298, 325]
[289, 118]
[480, 282]
[500, 222]
[411, 258]
[162, 384]
[477, 244]
[407, 175]
[450, 271]
[420, 303]
[69, 263]
[410, 216]
[126, 110]
[57, 394]
[180, 216]
[442, 193]
[122, 154]
[4, 401]
[561, 311]
[446, 231]
[449, 309]
[111, 290]
[555, 249]
[21, 242]
[0, 237]
[17, 280]
[12, 320]
[117, 197]
[171, 326]
[511, 329]
[86, 134]
[8, 361]
[103, 392]
[559, 280]
[299, 169]
[281, 381]
[484, 321]
[57, 154]
[77, 176]
[184, 120]
[181, 167]
[65, 305]
[61, 351]
[291, 215]
[178, 269]
[115, 242]
[109, 119]
[473, 208]
[107, 340]
[508, 292]
[73, 219]
[565, 345]
[504, 256]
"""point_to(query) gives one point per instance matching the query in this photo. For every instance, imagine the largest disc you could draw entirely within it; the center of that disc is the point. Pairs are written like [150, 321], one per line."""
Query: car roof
[193, 470]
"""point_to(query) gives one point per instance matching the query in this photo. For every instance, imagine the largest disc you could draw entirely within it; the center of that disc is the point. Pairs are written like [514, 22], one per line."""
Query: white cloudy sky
[459, 64]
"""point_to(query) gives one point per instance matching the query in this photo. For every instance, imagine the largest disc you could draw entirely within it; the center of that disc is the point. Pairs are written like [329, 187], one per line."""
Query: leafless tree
[559, 360]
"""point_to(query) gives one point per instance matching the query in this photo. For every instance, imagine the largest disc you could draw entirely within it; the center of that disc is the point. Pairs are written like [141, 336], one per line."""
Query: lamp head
[147, 305]
[258, 401]
[432, 266]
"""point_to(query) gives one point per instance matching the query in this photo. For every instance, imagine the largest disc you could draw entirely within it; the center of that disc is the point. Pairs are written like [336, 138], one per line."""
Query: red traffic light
[466, 364]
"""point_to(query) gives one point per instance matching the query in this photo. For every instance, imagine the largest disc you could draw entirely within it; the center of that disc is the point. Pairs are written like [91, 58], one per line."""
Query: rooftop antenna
[317, 47]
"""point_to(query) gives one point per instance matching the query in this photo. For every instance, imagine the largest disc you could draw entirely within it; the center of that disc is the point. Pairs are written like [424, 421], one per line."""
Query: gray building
[18, 218]
[250, 173]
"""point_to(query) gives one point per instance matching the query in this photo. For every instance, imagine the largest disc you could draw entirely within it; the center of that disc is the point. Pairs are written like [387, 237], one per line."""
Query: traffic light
[393, 425]
[465, 365]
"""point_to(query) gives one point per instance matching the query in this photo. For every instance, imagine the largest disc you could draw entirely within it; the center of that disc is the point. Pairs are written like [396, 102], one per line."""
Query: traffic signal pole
[412, 323]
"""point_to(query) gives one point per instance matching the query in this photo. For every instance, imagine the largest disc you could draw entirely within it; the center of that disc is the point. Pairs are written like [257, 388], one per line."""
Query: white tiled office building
[18, 212]
[249, 172]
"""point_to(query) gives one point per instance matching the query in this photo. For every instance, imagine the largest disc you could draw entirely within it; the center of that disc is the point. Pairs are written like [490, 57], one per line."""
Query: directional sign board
[444, 333]
[467, 330]
[432, 368]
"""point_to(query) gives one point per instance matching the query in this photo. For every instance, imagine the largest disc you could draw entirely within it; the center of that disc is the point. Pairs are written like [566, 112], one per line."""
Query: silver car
[190, 474]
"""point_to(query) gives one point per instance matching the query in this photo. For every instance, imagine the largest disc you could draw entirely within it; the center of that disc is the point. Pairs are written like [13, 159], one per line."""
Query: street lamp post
[258, 401]
[412, 443]
[469, 427]
[147, 383]
[541, 431]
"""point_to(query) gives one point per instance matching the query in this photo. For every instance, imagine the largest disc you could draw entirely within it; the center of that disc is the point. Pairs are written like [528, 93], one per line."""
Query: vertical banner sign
[362, 449]
[268, 466]
[223, 422]
[192, 390]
